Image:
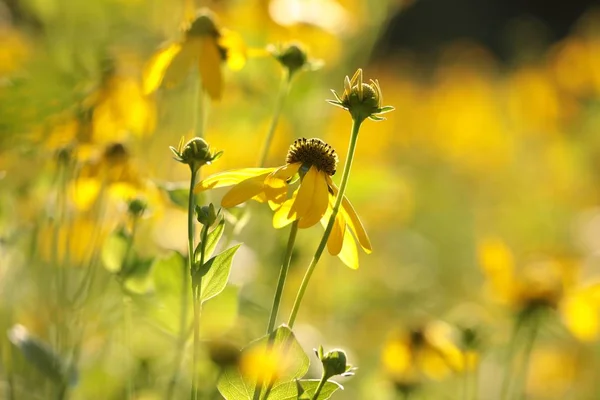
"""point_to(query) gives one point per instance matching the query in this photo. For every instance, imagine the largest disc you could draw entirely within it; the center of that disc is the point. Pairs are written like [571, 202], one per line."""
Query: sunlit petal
[305, 195]
[210, 68]
[336, 237]
[319, 202]
[244, 191]
[182, 63]
[349, 253]
[235, 47]
[276, 186]
[353, 220]
[281, 216]
[156, 67]
[581, 317]
[229, 178]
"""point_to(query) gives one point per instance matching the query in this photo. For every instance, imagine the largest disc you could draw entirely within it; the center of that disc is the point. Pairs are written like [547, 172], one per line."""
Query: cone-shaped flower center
[313, 152]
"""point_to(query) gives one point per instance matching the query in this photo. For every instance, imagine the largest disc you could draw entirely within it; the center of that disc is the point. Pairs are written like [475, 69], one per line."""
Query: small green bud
[362, 100]
[195, 153]
[294, 58]
[136, 207]
[207, 215]
[334, 363]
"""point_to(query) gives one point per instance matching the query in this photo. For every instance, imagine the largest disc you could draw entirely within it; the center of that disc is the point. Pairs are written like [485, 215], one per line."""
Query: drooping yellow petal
[182, 63]
[497, 263]
[305, 195]
[281, 216]
[229, 178]
[349, 253]
[580, 316]
[157, 66]
[210, 68]
[276, 187]
[353, 220]
[235, 47]
[319, 202]
[244, 191]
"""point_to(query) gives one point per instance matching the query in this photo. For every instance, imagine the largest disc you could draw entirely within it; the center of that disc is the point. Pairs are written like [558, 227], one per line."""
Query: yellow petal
[281, 216]
[353, 220]
[235, 47]
[276, 186]
[156, 67]
[581, 317]
[305, 195]
[210, 68]
[349, 253]
[243, 191]
[182, 63]
[319, 202]
[229, 178]
[496, 261]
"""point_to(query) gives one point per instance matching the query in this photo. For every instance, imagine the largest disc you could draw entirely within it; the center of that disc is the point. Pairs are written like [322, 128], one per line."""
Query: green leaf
[114, 251]
[40, 355]
[139, 277]
[212, 240]
[236, 385]
[310, 385]
[167, 278]
[177, 192]
[215, 273]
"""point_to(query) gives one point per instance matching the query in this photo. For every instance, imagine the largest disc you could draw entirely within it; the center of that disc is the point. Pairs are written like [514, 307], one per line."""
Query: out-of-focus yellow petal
[235, 47]
[319, 202]
[180, 66]
[210, 68]
[276, 183]
[244, 191]
[305, 195]
[84, 192]
[281, 216]
[229, 178]
[155, 69]
[580, 315]
[349, 253]
[396, 358]
[497, 263]
[353, 220]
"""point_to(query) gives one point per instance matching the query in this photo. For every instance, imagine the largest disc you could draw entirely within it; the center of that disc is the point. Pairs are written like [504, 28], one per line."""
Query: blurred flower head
[204, 45]
[313, 162]
[293, 57]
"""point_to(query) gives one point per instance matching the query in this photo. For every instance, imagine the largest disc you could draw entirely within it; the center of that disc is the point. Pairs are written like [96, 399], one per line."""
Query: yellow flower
[427, 352]
[549, 284]
[205, 46]
[312, 201]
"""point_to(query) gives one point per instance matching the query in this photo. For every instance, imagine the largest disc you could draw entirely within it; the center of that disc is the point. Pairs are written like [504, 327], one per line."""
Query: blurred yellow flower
[315, 162]
[262, 365]
[204, 45]
[548, 283]
[13, 52]
[428, 352]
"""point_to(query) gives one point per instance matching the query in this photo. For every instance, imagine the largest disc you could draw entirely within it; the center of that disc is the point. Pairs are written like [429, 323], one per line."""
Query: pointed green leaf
[235, 385]
[167, 279]
[386, 109]
[310, 385]
[212, 240]
[40, 355]
[114, 251]
[215, 273]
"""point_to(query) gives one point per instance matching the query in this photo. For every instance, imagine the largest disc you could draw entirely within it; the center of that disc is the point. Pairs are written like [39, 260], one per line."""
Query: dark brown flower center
[313, 152]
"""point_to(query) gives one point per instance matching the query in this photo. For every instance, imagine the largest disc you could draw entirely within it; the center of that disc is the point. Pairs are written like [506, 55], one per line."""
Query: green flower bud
[362, 100]
[207, 215]
[195, 153]
[334, 363]
[294, 58]
[136, 207]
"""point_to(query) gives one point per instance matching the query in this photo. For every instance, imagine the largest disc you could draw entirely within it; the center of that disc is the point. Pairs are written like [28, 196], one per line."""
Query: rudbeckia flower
[204, 46]
[547, 284]
[314, 162]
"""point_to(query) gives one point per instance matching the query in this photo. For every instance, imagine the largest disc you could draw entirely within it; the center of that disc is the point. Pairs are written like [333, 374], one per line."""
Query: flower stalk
[282, 277]
[356, 123]
[284, 88]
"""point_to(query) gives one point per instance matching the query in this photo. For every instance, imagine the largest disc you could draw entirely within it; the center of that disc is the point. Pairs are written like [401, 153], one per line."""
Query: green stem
[127, 332]
[197, 290]
[319, 388]
[504, 393]
[284, 88]
[533, 331]
[282, 277]
[184, 287]
[338, 201]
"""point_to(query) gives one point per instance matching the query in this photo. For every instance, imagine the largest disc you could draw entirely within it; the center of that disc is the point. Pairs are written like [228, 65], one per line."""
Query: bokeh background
[487, 169]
